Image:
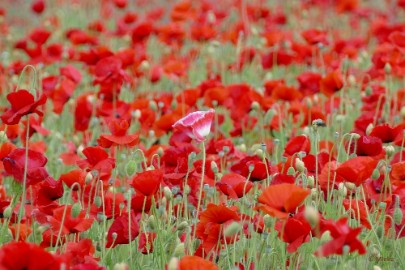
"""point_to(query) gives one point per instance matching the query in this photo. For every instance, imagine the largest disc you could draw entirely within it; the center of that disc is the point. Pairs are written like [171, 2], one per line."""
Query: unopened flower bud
[350, 186]
[97, 201]
[255, 106]
[342, 189]
[173, 264]
[3, 136]
[182, 226]
[311, 181]
[168, 193]
[8, 211]
[389, 150]
[376, 174]
[387, 68]
[121, 266]
[179, 250]
[214, 167]
[233, 229]
[267, 221]
[152, 222]
[291, 171]
[130, 168]
[326, 237]
[76, 209]
[355, 136]
[300, 165]
[312, 215]
[259, 153]
[88, 178]
[137, 114]
[369, 128]
[398, 215]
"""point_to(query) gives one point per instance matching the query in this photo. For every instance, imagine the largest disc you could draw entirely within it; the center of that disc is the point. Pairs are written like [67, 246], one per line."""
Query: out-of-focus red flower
[331, 83]
[196, 125]
[294, 231]
[148, 182]
[195, 263]
[118, 129]
[38, 6]
[23, 255]
[358, 210]
[342, 236]
[14, 164]
[22, 103]
[119, 231]
[79, 253]
[297, 144]
[357, 170]
[211, 227]
[97, 159]
[234, 185]
[253, 166]
[281, 200]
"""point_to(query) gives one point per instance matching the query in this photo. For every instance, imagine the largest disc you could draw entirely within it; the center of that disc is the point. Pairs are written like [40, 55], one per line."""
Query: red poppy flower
[358, 210]
[196, 125]
[81, 252]
[97, 160]
[14, 164]
[260, 169]
[22, 103]
[148, 182]
[195, 263]
[83, 112]
[38, 6]
[211, 226]
[63, 220]
[342, 236]
[386, 133]
[281, 200]
[331, 83]
[368, 146]
[119, 233]
[118, 129]
[234, 185]
[297, 144]
[397, 173]
[23, 255]
[357, 170]
[295, 231]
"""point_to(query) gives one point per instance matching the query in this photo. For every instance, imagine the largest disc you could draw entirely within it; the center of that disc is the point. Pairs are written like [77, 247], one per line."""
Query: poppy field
[188, 135]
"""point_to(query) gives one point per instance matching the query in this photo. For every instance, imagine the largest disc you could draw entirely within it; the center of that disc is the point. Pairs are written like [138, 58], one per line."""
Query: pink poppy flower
[196, 125]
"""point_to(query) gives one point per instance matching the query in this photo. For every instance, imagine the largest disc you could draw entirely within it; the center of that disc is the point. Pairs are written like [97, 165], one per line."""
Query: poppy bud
[153, 105]
[340, 118]
[314, 193]
[97, 201]
[387, 68]
[355, 136]
[267, 221]
[121, 266]
[383, 205]
[242, 147]
[376, 267]
[255, 106]
[376, 174]
[187, 190]
[88, 178]
[299, 164]
[8, 211]
[259, 153]
[3, 136]
[389, 150]
[130, 168]
[214, 167]
[179, 250]
[342, 189]
[311, 181]
[326, 237]
[312, 215]
[369, 128]
[76, 209]
[183, 225]
[291, 171]
[145, 66]
[350, 186]
[173, 264]
[152, 222]
[137, 114]
[168, 193]
[398, 215]
[233, 229]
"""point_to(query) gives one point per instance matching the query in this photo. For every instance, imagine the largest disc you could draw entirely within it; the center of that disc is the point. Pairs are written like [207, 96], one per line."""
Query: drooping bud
[300, 165]
[76, 209]
[130, 168]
